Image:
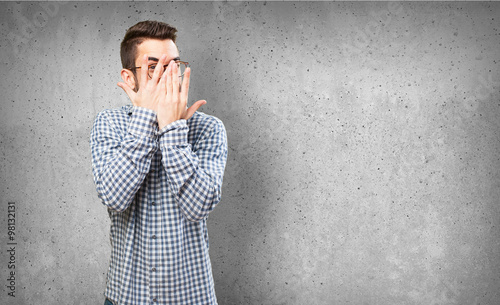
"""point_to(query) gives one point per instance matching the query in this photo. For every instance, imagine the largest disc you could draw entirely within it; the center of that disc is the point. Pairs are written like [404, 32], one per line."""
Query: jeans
[107, 302]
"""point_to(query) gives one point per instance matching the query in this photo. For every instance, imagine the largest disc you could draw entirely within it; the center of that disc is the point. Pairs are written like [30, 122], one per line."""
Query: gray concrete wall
[363, 159]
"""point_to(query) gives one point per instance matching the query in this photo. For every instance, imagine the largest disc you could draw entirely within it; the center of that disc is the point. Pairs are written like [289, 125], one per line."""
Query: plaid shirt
[159, 186]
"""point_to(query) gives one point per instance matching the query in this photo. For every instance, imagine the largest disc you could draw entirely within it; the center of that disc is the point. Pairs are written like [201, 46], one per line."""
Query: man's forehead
[155, 48]
[155, 59]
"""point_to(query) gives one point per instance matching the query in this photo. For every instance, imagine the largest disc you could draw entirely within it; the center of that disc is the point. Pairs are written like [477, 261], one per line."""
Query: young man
[158, 167]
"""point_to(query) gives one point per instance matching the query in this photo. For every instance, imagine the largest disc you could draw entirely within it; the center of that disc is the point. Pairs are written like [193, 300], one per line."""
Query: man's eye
[152, 67]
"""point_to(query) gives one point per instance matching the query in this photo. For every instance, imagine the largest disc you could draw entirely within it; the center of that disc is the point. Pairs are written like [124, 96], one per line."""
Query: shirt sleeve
[121, 160]
[194, 174]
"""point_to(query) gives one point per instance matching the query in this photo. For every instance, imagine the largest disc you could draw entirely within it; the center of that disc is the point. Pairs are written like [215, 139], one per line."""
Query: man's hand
[150, 90]
[173, 106]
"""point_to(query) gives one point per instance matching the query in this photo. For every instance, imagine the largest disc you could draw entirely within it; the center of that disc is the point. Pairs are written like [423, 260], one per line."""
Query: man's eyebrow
[157, 60]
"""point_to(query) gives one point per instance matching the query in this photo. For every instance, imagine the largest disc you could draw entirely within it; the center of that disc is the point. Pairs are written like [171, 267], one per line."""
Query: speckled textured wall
[364, 147]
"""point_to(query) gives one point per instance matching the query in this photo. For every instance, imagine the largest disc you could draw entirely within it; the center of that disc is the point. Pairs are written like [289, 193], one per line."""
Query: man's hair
[140, 32]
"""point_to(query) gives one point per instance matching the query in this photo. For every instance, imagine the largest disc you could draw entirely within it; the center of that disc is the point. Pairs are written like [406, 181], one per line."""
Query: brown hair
[136, 34]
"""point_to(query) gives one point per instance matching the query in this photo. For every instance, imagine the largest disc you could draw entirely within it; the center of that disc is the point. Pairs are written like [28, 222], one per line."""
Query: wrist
[163, 123]
[167, 120]
[141, 105]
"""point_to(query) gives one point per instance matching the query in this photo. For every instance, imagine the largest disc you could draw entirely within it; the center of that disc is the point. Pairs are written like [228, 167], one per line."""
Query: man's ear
[129, 78]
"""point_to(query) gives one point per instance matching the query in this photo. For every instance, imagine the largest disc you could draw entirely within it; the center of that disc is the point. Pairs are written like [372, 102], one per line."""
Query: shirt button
[153, 269]
[153, 203]
[153, 237]
[154, 300]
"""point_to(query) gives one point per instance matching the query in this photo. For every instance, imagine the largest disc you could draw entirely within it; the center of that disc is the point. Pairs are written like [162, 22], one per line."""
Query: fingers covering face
[175, 80]
[185, 84]
[159, 68]
[169, 80]
[144, 71]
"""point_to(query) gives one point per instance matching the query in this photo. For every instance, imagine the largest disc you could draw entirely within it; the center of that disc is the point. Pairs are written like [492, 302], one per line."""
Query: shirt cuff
[174, 133]
[143, 122]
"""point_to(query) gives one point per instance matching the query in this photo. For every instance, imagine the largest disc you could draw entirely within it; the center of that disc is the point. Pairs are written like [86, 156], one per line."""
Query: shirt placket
[154, 238]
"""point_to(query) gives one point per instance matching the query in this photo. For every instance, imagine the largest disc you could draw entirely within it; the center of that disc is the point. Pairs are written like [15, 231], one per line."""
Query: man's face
[154, 49]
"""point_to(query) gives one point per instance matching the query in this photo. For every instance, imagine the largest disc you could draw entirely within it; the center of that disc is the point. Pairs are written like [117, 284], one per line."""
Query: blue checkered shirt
[158, 186]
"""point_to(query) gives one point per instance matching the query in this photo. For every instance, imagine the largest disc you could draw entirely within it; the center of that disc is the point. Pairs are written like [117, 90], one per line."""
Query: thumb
[191, 110]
